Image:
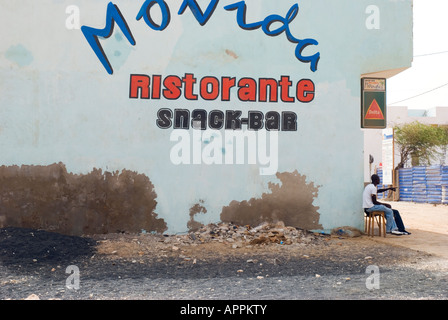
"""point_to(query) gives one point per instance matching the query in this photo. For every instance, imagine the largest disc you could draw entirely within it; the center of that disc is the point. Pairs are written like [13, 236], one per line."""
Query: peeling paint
[193, 225]
[50, 198]
[290, 202]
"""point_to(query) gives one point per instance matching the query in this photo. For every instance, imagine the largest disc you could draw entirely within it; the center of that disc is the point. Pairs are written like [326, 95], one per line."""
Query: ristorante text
[211, 88]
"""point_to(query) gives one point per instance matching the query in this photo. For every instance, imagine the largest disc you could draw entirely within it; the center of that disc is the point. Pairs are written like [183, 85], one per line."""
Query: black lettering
[255, 120]
[233, 119]
[199, 119]
[164, 117]
[181, 119]
[216, 119]
[272, 121]
[289, 121]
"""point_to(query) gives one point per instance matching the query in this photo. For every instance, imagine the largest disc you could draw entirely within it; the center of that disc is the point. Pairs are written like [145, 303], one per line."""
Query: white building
[373, 138]
[118, 118]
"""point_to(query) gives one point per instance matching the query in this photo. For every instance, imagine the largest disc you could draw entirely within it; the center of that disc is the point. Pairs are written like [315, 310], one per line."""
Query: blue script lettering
[197, 12]
[266, 24]
[144, 12]
[113, 15]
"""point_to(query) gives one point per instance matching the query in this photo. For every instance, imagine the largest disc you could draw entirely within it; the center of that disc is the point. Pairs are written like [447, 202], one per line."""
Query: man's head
[375, 179]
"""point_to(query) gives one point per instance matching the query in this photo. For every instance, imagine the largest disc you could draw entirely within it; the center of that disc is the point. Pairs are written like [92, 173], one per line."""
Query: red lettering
[156, 81]
[305, 90]
[139, 83]
[207, 94]
[248, 89]
[172, 87]
[263, 90]
[212, 88]
[227, 83]
[189, 81]
[285, 84]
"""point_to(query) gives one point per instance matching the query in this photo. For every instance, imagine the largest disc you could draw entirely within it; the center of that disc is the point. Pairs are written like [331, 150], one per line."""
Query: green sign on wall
[373, 103]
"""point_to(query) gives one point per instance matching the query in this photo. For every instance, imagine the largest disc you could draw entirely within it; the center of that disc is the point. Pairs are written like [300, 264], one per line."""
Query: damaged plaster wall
[192, 224]
[58, 104]
[290, 202]
[50, 198]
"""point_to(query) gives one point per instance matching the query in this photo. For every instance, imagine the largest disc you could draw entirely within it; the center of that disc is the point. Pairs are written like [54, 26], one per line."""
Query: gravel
[37, 264]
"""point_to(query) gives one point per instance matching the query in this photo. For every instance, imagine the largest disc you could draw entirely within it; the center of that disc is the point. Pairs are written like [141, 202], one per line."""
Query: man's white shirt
[369, 190]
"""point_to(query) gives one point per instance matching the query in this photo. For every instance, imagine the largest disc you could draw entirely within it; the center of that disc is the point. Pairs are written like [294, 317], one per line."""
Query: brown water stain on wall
[290, 202]
[50, 198]
[197, 208]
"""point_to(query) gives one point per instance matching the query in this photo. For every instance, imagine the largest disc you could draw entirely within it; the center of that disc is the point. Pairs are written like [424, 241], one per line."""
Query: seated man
[370, 204]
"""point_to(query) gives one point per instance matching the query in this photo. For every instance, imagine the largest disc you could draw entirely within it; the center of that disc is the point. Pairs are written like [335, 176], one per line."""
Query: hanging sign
[373, 103]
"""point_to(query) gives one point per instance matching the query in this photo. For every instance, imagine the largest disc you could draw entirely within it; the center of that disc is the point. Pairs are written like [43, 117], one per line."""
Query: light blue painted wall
[58, 104]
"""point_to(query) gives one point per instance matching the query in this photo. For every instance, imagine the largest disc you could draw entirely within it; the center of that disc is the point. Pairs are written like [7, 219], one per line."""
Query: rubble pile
[239, 236]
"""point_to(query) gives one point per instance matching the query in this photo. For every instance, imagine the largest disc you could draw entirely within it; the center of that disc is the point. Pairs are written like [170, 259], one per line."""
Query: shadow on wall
[290, 202]
[50, 198]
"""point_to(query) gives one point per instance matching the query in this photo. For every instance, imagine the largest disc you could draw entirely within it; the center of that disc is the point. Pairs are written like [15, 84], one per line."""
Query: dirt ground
[428, 224]
[274, 263]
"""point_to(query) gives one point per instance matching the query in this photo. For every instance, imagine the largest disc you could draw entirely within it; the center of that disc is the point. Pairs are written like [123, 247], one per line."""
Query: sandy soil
[428, 224]
[288, 264]
[423, 216]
